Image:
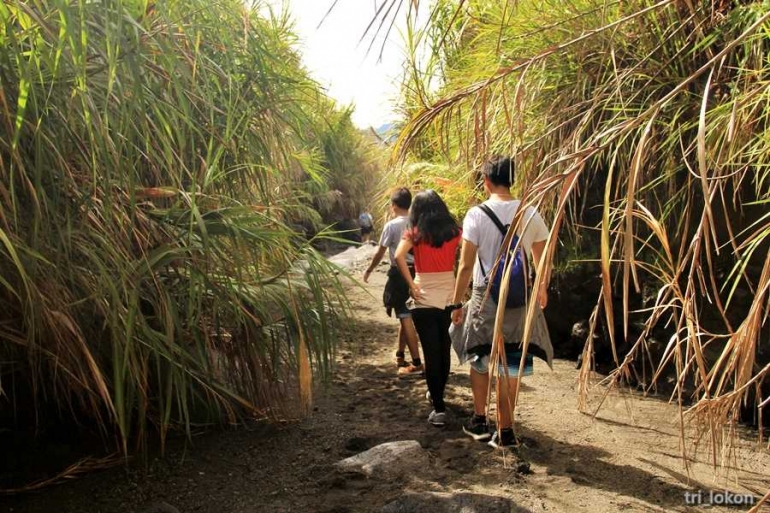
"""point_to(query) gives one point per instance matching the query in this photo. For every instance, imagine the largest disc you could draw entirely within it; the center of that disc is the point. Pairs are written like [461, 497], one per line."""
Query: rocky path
[626, 459]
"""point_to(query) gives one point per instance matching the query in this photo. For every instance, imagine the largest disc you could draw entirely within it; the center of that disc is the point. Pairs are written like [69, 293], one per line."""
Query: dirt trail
[627, 459]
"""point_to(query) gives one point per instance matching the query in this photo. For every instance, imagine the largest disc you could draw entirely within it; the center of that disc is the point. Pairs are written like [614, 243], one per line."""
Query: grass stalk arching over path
[640, 129]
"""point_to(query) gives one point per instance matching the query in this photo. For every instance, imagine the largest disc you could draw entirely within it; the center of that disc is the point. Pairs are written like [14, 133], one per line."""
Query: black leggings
[432, 327]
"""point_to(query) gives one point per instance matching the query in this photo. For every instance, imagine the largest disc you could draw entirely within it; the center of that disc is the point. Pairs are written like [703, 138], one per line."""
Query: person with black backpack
[484, 230]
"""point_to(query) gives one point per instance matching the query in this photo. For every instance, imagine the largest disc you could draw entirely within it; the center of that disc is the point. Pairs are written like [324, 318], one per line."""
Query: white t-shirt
[391, 236]
[479, 229]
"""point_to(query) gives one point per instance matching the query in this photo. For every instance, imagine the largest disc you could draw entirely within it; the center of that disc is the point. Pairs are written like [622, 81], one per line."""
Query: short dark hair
[401, 198]
[431, 221]
[499, 170]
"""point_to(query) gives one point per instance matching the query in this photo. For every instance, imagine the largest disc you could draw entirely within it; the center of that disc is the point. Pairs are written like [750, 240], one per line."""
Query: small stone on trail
[392, 458]
[580, 330]
[523, 467]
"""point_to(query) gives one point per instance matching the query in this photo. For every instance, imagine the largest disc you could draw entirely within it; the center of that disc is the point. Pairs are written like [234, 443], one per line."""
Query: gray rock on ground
[389, 459]
[356, 258]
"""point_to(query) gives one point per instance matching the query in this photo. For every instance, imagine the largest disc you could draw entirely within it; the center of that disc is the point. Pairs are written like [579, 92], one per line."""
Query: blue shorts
[481, 364]
[402, 312]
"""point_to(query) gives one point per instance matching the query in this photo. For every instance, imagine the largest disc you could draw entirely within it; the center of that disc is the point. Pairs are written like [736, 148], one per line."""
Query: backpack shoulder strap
[500, 226]
[491, 214]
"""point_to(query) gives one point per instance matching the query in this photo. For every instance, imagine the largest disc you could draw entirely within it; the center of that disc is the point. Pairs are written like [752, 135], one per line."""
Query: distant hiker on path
[396, 291]
[434, 236]
[482, 237]
[366, 224]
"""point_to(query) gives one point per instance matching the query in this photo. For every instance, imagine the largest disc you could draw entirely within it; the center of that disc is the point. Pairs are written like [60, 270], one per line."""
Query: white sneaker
[437, 419]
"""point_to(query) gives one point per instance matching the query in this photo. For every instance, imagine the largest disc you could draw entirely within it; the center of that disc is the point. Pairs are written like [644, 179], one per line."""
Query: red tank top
[428, 259]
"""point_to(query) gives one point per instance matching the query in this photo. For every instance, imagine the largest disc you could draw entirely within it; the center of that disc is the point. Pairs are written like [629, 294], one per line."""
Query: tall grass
[152, 158]
[354, 160]
[650, 117]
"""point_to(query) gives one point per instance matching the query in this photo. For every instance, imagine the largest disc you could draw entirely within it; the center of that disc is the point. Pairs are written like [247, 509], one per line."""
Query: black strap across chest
[500, 226]
[489, 212]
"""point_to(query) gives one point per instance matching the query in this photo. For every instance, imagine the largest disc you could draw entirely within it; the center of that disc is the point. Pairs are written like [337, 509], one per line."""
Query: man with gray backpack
[484, 229]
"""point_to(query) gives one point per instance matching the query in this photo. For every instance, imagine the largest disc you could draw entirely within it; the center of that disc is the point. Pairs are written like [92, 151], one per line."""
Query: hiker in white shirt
[473, 324]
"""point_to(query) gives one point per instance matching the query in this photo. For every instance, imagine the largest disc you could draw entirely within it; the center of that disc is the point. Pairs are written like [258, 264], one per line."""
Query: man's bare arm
[376, 258]
[464, 274]
[401, 251]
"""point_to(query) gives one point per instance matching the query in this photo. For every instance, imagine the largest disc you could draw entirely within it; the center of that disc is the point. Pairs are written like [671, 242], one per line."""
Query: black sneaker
[477, 428]
[504, 438]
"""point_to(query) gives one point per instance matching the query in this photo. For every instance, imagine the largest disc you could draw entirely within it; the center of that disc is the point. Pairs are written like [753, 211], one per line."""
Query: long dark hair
[431, 220]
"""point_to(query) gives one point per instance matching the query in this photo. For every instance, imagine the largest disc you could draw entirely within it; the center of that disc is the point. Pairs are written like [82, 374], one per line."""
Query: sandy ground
[628, 458]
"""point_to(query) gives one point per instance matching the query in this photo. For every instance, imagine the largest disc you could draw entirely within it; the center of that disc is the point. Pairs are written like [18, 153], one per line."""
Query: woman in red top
[433, 235]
